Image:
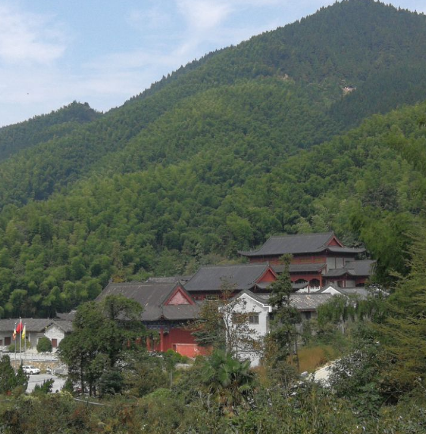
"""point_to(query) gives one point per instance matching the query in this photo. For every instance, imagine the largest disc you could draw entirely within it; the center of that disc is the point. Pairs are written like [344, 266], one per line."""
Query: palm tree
[229, 381]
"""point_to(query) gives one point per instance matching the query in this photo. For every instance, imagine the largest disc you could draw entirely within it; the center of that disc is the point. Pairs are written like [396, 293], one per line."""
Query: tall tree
[285, 316]
[102, 334]
[8, 379]
[404, 333]
[223, 324]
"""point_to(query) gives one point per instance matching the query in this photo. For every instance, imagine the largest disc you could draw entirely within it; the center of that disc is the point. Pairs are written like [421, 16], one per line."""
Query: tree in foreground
[404, 333]
[223, 324]
[283, 336]
[8, 379]
[228, 380]
[102, 334]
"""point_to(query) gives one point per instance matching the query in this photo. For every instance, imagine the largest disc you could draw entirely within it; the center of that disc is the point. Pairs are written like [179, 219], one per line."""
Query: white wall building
[35, 328]
[257, 309]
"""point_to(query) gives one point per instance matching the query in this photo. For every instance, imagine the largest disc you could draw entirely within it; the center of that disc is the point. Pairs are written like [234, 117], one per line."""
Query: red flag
[19, 328]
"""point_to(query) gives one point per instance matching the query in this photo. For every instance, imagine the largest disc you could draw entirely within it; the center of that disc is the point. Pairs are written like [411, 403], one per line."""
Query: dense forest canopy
[247, 142]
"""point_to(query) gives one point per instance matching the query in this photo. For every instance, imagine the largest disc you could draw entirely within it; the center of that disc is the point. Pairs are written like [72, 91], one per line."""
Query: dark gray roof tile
[293, 244]
[309, 302]
[362, 268]
[213, 278]
[151, 296]
[64, 325]
[32, 324]
[302, 302]
[181, 312]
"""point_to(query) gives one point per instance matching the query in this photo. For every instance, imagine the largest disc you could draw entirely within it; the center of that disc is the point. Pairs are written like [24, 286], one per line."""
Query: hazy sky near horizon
[105, 51]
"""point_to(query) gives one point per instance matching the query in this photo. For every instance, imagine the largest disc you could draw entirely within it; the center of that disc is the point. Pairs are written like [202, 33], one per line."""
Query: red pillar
[162, 340]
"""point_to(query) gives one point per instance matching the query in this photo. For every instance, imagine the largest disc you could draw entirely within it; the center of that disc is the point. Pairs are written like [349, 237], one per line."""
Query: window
[238, 318]
[253, 318]
[7, 341]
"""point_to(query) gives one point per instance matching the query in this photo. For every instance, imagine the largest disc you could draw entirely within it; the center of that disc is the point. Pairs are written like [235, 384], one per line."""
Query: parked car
[32, 370]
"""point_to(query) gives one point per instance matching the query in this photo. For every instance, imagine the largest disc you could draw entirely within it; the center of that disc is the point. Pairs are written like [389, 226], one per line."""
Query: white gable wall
[245, 304]
[54, 332]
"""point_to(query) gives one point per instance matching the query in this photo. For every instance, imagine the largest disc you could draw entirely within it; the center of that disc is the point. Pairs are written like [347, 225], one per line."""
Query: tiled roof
[310, 301]
[300, 285]
[151, 296]
[295, 286]
[358, 291]
[66, 316]
[31, 324]
[213, 278]
[64, 325]
[171, 279]
[363, 267]
[343, 250]
[181, 312]
[301, 243]
[354, 268]
[302, 302]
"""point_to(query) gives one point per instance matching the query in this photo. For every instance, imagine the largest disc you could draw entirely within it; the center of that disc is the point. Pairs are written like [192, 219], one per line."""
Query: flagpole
[20, 342]
[25, 341]
[14, 338]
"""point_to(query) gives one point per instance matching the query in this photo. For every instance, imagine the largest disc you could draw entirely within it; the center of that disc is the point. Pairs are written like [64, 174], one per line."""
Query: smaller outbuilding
[35, 328]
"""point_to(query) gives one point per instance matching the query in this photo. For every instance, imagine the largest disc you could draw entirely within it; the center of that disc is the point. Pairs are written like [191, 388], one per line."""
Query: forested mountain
[349, 43]
[165, 220]
[59, 123]
[249, 141]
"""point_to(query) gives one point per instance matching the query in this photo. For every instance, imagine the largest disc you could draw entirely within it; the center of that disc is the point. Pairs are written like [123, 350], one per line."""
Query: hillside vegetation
[249, 141]
[170, 219]
[351, 43]
[59, 123]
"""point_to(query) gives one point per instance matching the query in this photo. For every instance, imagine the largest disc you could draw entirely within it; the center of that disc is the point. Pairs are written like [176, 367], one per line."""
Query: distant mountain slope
[350, 43]
[15, 138]
[170, 219]
[393, 87]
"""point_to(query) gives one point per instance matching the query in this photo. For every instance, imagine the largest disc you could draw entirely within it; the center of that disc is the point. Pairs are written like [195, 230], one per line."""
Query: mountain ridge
[221, 155]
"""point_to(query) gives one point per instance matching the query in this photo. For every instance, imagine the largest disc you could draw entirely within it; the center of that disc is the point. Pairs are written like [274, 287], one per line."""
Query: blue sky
[53, 52]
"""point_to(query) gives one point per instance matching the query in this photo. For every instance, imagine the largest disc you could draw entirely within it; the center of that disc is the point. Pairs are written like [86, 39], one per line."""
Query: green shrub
[11, 347]
[44, 345]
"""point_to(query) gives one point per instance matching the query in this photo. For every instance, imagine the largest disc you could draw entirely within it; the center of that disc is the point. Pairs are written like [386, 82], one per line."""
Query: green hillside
[170, 219]
[59, 123]
[247, 142]
[351, 43]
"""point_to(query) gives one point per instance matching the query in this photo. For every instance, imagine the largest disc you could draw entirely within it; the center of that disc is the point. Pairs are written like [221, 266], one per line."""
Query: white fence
[31, 356]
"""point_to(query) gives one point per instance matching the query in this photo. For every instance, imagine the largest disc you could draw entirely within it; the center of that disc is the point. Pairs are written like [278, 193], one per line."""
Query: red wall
[267, 277]
[181, 341]
[178, 299]
[309, 259]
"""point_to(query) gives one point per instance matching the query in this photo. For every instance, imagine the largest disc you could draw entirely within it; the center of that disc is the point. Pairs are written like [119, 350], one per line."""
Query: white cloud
[204, 15]
[28, 38]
